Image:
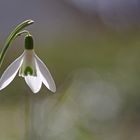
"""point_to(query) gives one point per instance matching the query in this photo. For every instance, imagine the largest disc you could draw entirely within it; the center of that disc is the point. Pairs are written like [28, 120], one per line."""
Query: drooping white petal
[10, 72]
[34, 83]
[45, 75]
[28, 61]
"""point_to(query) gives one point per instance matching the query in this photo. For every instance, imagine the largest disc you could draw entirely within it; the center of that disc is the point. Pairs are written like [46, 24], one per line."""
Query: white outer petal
[45, 75]
[11, 72]
[34, 83]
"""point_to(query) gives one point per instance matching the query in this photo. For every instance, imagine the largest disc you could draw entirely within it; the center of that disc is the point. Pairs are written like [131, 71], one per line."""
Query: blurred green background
[92, 50]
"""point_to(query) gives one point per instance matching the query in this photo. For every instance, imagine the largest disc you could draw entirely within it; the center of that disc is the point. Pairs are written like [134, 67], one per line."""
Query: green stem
[16, 32]
[22, 32]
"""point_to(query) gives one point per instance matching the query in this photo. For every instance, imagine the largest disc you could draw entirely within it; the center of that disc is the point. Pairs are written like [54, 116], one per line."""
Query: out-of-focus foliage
[96, 69]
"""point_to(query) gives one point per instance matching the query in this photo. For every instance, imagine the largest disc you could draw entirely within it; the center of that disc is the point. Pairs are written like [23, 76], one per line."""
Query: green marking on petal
[28, 70]
[20, 71]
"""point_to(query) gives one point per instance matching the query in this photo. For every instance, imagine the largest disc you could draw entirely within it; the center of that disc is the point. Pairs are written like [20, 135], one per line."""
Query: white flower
[32, 69]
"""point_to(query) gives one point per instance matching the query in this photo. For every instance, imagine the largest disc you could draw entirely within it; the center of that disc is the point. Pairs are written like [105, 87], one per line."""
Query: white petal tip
[10, 73]
[35, 92]
[53, 90]
[34, 83]
[1, 88]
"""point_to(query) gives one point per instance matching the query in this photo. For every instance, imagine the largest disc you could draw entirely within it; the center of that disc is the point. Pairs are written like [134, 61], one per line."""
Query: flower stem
[22, 32]
[16, 32]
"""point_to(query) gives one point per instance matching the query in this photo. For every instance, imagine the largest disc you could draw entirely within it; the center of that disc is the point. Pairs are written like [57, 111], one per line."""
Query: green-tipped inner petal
[28, 70]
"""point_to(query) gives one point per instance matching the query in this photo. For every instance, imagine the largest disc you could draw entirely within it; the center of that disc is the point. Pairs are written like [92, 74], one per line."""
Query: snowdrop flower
[31, 68]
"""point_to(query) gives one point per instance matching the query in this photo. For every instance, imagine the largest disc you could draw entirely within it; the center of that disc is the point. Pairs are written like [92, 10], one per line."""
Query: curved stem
[16, 32]
[22, 32]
